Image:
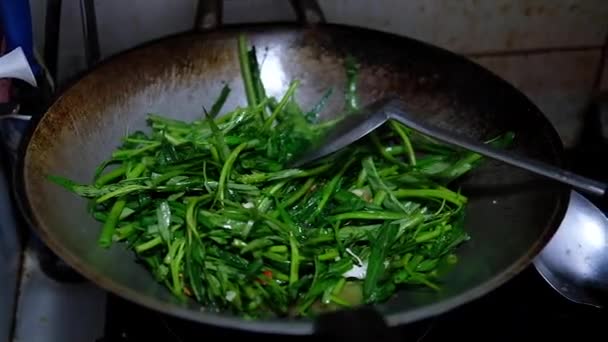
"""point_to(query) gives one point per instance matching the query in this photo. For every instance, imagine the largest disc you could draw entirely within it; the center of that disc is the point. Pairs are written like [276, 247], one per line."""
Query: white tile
[559, 83]
[477, 26]
[52, 311]
[123, 25]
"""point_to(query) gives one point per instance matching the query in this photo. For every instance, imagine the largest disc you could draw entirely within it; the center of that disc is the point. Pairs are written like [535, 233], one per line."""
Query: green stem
[227, 168]
[295, 261]
[329, 189]
[330, 255]
[288, 94]
[447, 195]
[121, 192]
[175, 268]
[107, 177]
[421, 279]
[379, 198]
[219, 103]
[407, 144]
[426, 236]
[126, 230]
[265, 202]
[191, 216]
[120, 154]
[367, 215]
[136, 171]
[109, 226]
[148, 244]
[278, 249]
[107, 231]
[361, 179]
[382, 150]
[284, 174]
[298, 194]
[246, 71]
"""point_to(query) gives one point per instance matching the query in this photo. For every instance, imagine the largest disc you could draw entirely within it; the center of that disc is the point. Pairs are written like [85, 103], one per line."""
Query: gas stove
[54, 303]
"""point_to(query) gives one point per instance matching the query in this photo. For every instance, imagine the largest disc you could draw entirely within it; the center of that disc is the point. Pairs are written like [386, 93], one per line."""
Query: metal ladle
[575, 262]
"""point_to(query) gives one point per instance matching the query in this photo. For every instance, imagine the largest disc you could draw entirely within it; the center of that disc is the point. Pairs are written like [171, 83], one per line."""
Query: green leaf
[219, 103]
[163, 214]
[375, 264]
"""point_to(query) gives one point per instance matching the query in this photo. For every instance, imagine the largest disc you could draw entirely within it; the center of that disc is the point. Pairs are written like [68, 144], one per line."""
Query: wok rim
[274, 326]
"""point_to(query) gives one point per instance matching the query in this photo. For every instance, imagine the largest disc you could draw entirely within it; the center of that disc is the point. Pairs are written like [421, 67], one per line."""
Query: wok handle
[308, 11]
[358, 324]
[209, 13]
[89, 31]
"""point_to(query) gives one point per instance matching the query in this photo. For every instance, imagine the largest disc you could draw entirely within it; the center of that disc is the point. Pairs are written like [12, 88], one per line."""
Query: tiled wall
[549, 49]
[477, 26]
[559, 82]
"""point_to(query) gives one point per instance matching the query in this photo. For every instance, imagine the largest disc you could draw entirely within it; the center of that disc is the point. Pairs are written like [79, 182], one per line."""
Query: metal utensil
[357, 125]
[575, 261]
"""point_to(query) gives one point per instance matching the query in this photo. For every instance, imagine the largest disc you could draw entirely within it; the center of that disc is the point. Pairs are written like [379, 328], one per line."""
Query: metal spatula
[359, 124]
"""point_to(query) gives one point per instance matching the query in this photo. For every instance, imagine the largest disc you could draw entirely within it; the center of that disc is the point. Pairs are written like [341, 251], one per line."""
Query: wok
[511, 215]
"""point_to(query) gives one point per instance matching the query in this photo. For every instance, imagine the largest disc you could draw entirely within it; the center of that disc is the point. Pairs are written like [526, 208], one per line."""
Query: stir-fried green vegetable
[211, 210]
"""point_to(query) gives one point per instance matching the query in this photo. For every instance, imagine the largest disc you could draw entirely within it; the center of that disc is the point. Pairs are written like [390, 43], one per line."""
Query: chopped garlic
[357, 271]
[354, 256]
[358, 192]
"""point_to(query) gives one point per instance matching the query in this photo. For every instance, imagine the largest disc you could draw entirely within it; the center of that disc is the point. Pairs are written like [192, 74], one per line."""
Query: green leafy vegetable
[210, 208]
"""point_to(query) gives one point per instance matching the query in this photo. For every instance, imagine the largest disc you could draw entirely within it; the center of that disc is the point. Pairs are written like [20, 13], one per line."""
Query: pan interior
[511, 212]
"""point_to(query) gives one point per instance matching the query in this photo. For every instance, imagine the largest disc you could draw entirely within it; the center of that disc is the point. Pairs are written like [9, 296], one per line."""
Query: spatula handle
[397, 111]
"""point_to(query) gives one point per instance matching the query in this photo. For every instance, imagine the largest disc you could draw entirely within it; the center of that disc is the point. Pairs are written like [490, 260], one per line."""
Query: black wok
[511, 214]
